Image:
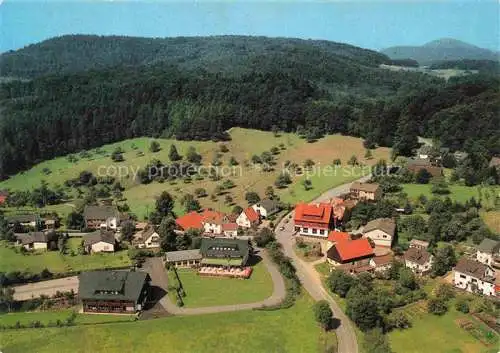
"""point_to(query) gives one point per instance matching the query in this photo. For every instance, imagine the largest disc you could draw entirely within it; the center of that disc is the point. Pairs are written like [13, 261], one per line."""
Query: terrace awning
[222, 261]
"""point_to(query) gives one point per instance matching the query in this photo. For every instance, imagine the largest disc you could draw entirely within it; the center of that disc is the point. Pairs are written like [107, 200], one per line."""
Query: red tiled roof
[251, 214]
[349, 250]
[190, 220]
[336, 237]
[319, 214]
[229, 226]
[383, 260]
[211, 216]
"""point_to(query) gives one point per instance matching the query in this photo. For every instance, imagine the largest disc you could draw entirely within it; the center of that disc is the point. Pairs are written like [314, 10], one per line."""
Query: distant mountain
[445, 49]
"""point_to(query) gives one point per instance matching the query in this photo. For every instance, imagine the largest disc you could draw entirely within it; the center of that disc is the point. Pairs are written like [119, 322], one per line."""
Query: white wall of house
[380, 268]
[243, 220]
[40, 246]
[484, 257]
[231, 233]
[417, 268]
[467, 282]
[152, 242]
[312, 231]
[379, 237]
[102, 247]
[260, 210]
[212, 228]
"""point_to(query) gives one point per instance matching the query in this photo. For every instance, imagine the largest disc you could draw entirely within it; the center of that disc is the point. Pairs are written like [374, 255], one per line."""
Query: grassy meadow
[243, 145]
[25, 318]
[459, 193]
[292, 330]
[212, 291]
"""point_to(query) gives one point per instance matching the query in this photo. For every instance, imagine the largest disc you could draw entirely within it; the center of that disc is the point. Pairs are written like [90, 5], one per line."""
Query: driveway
[159, 278]
[50, 287]
[310, 278]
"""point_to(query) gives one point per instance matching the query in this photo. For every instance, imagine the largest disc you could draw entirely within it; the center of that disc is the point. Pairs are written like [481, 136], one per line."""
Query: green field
[35, 262]
[211, 291]
[291, 330]
[247, 177]
[431, 331]
[458, 193]
[45, 317]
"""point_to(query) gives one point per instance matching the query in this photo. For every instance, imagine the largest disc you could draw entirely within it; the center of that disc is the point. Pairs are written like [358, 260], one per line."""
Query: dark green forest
[78, 92]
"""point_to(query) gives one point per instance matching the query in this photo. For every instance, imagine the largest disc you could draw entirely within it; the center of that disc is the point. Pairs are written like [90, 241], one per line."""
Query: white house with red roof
[210, 222]
[248, 218]
[350, 251]
[191, 220]
[230, 229]
[313, 219]
[336, 236]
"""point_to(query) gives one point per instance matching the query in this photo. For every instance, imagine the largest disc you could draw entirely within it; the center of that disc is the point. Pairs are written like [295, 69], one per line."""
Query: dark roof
[366, 187]
[474, 268]
[114, 285]
[417, 255]
[489, 246]
[98, 236]
[141, 237]
[33, 237]
[386, 224]
[100, 212]
[183, 255]
[22, 218]
[271, 206]
[220, 247]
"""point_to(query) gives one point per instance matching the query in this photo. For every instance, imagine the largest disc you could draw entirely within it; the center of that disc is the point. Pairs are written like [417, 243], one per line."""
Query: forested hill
[229, 54]
[199, 90]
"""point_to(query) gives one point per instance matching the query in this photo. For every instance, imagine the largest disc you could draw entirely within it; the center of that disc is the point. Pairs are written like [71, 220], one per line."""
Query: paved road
[50, 287]
[160, 279]
[310, 278]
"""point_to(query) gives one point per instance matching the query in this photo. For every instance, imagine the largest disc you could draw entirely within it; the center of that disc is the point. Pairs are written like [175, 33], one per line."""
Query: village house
[101, 217]
[99, 241]
[266, 208]
[418, 244]
[224, 252]
[313, 219]
[382, 263]
[183, 258]
[414, 165]
[230, 229]
[418, 259]
[113, 291]
[50, 222]
[365, 191]
[213, 221]
[488, 252]
[381, 231]
[350, 252]
[475, 277]
[148, 238]
[33, 240]
[191, 220]
[335, 237]
[30, 221]
[339, 207]
[209, 222]
[248, 218]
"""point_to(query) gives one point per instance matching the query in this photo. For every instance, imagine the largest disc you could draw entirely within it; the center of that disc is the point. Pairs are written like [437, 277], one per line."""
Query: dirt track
[50, 287]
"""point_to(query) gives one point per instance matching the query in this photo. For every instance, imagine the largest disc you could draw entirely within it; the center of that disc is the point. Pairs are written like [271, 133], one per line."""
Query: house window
[384, 236]
[297, 229]
[474, 280]
[314, 231]
[462, 276]
[321, 231]
[305, 230]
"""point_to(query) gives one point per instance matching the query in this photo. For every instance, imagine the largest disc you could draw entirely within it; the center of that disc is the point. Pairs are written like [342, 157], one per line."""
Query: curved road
[279, 292]
[310, 278]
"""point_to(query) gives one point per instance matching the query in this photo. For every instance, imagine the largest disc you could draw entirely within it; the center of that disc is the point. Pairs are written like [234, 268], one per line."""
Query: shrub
[445, 292]
[462, 305]
[397, 319]
[437, 306]
[323, 313]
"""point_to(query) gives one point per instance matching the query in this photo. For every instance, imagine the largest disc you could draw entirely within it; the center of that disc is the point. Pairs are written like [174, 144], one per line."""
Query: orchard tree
[173, 155]
[252, 197]
[164, 204]
[154, 146]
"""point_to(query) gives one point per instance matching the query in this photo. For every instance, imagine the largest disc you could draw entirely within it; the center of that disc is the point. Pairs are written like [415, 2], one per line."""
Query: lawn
[431, 331]
[211, 291]
[10, 260]
[492, 220]
[25, 318]
[246, 177]
[458, 193]
[291, 330]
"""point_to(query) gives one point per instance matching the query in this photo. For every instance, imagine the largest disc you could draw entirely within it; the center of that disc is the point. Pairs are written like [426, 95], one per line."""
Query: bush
[437, 306]
[462, 305]
[398, 320]
[445, 292]
[323, 313]
[264, 237]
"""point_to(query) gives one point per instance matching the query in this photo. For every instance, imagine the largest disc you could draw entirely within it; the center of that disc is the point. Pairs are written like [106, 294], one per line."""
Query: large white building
[475, 277]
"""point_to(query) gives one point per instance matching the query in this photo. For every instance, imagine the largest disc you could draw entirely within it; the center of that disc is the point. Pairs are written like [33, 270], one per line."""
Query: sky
[373, 24]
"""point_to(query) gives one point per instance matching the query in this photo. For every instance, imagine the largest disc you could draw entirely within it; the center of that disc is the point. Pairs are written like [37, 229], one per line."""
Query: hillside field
[246, 176]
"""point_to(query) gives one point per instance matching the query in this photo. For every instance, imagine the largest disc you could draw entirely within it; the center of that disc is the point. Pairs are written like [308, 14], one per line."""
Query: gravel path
[50, 287]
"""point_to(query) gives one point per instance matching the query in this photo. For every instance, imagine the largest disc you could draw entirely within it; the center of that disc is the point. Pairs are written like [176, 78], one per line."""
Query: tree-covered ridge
[229, 54]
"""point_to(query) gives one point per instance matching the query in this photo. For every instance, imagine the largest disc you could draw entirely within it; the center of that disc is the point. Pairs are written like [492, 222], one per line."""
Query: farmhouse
[475, 277]
[224, 252]
[230, 229]
[365, 191]
[382, 263]
[147, 238]
[33, 241]
[248, 218]
[335, 237]
[101, 217]
[419, 260]
[488, 252]
[191, 220]
[314, 219]
[212, 222]
[266, 207]
[113, 291]
[183, 258]
[419, 244]
[26, 220]
[381, 231]
[99, 241]
[414, 165]
[350, 251]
